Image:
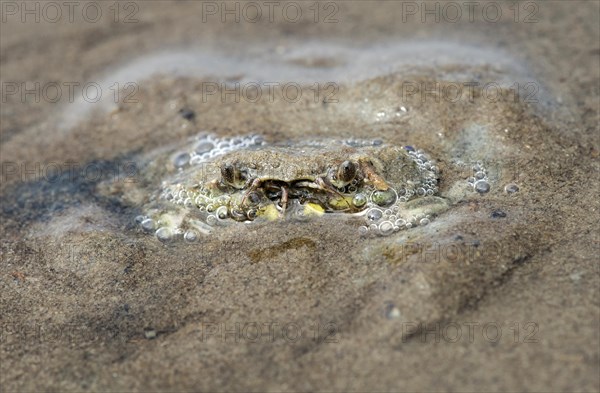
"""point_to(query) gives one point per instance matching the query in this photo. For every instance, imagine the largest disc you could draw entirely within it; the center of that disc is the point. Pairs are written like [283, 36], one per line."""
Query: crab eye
[228, 173]
[346, 171]
[231, 174]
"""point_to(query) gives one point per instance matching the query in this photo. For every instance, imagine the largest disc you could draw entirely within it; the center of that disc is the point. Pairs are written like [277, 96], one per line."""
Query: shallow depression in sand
[430, 250]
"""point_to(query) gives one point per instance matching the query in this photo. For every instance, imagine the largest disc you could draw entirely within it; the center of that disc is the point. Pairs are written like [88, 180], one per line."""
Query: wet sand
[498, 293]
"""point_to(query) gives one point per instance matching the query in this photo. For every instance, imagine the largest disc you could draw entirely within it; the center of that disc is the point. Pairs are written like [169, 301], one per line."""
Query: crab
[286, 181]
[243, 179]
[328, 175]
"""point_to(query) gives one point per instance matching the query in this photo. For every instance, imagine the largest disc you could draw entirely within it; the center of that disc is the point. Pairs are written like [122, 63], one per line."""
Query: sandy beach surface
[499, 292]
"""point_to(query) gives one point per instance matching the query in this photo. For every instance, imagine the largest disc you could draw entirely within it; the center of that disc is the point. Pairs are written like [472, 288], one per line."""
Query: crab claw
[373, 177]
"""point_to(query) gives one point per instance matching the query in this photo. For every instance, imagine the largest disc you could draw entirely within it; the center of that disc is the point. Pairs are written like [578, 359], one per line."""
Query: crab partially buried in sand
[227, 180]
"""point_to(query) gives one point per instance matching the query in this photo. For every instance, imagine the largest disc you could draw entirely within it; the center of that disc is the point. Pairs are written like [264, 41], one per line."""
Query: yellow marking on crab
[313, 209]
[270, 212]
[340, 203]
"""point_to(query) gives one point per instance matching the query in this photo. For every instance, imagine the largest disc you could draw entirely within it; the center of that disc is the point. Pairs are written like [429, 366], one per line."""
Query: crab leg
[284, 200]
[253, 187]
[322, 185]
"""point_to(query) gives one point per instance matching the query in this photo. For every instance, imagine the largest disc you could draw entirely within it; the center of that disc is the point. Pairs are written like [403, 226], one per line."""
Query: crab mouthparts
[318, 192]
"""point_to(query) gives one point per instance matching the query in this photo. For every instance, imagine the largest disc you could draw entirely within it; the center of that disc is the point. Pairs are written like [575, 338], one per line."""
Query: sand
[498, 293]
